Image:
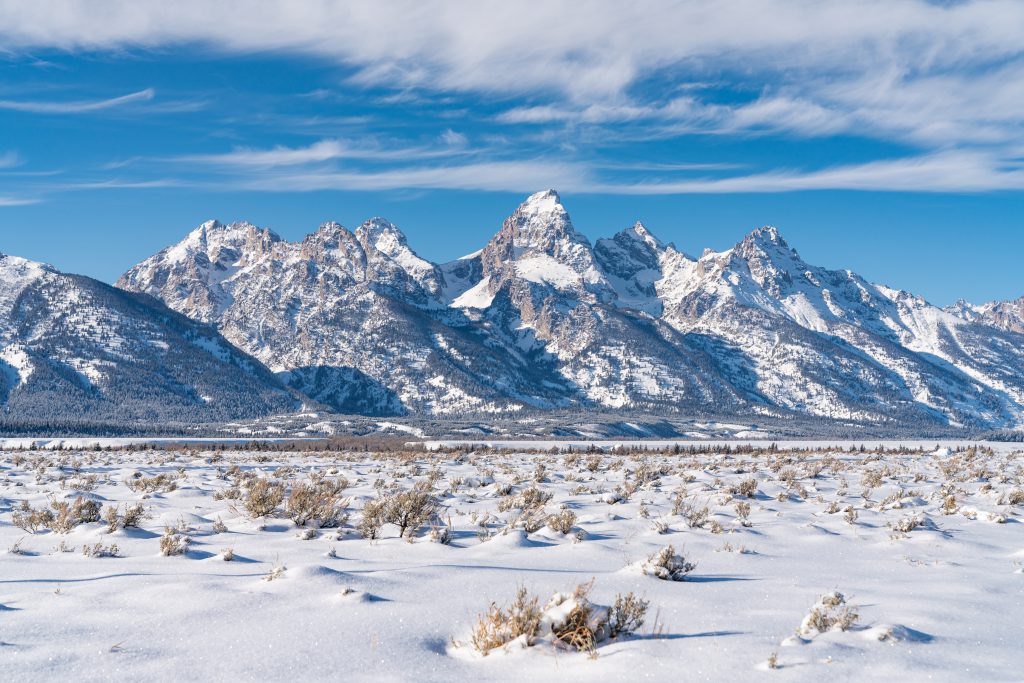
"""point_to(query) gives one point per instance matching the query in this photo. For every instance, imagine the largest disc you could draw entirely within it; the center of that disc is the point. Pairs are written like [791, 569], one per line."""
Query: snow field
[922, 547]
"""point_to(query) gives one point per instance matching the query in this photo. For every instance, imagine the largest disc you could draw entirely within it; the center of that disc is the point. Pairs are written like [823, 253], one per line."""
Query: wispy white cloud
[955, 171]
[510, 176]
[324, 151]
[17, 201]
[951, 171]
[944, 78]
[497, 46]
[79, 106]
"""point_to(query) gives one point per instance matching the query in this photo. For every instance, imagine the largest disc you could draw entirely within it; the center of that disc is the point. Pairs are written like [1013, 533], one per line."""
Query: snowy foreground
[808, 564]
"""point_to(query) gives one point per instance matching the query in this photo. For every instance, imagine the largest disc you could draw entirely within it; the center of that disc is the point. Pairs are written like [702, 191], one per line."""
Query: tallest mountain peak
[541, 222]
[545, 201]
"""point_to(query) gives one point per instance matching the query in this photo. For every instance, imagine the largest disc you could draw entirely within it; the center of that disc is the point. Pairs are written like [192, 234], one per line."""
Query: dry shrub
[747, 487]
[581, 627]
[319, 502]
[499, 626]
[562, 522]
[1014, 497]
[112, 518]
[372, 519]
[263, 498]
[69, 515]
[408, 510]
[902, 527]
[275, 572]
[627, 615]
[580, 624]
[530, 498]
[742, 509]
[442, 533]
[161, 483]
[850, 516]
[100, 550]
[695, 517]
[132, 517]
[31, 520]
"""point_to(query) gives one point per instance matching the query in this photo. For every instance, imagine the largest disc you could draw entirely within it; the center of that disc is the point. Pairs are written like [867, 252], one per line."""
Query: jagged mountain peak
[766, 237]
[330, 228]
[541, 223]
[332, 242]
[382, 234]
[330, 235]
[538, 244]
[545, 201]
[214, 228]
[767, 254]
[639, 231]
[1004, 315]
[212, 237]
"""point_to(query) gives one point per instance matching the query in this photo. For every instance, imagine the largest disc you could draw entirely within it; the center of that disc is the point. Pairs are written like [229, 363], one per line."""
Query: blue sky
[885, 137]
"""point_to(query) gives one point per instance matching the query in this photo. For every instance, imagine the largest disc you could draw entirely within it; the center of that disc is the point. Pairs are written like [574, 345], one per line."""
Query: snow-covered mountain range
[75, 351]
[541, 318]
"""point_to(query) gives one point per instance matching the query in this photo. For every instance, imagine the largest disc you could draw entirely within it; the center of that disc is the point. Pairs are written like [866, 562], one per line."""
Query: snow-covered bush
[575, 621]
[747, 487]
[667, 565]
[695, 517]
[442, 533]
[409, 510]
[372, 519]
[567, 620]
[830, 613]
[902, 527]
[742, 509]
[173, 542]
[627, 615]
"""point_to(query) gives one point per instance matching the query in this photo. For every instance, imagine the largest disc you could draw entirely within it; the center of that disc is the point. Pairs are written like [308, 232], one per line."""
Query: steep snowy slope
[73, 350]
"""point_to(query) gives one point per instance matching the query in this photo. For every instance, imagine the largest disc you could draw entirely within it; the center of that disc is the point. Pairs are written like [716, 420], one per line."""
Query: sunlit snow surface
[941, 603]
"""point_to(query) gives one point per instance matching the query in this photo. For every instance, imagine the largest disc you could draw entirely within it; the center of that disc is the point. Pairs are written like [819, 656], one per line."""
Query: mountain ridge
[540, 318]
